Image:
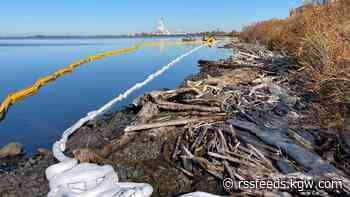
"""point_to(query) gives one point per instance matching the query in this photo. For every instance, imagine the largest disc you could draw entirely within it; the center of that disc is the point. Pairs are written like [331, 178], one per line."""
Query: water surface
[39, 120]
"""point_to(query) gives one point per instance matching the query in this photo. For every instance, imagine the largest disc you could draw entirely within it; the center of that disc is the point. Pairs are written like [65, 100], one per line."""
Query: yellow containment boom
[210, 40]
[12, 98]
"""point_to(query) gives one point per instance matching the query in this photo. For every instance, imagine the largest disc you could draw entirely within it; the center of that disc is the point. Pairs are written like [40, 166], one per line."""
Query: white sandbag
[91, 180]
[60, 168]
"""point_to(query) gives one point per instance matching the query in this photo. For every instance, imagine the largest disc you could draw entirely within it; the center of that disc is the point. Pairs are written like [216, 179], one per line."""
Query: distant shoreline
[97, 37]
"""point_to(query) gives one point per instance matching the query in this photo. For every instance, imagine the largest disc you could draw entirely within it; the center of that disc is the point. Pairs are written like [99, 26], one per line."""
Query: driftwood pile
[243, 122]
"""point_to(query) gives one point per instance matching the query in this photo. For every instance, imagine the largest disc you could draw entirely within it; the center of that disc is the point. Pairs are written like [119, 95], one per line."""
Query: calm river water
[39, 120]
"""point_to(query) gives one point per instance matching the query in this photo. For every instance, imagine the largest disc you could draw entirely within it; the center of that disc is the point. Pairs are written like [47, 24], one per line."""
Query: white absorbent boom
[68, 178]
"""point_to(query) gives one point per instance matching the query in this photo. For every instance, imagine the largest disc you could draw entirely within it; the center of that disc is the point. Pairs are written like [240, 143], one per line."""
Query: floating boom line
[13, 98]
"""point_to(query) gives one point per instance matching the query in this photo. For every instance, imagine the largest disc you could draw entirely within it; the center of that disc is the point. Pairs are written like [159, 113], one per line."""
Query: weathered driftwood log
[197, 113]
[249, 55]
[162, 95]
[184, 107]
[173, 123]
[165, 95]
[209, 102]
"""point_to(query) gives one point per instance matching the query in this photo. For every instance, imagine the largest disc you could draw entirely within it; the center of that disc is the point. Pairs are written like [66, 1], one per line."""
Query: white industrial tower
[161, 29]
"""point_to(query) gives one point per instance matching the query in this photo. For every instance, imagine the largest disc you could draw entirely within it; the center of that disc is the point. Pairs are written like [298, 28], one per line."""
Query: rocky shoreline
[247, 117]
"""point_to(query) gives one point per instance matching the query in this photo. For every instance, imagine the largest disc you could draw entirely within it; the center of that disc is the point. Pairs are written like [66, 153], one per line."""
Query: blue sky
[90, 17]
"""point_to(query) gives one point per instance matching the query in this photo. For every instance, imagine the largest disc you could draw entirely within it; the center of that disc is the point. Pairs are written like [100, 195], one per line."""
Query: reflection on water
[39, 120]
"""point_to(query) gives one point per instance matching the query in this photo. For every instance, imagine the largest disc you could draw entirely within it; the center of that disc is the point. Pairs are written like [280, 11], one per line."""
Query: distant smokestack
[161, 29]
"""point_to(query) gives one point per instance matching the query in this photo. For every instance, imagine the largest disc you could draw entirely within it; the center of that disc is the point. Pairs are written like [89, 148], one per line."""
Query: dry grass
[265, 32]
[319, 38]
